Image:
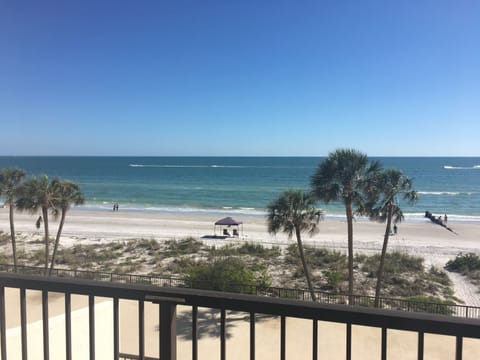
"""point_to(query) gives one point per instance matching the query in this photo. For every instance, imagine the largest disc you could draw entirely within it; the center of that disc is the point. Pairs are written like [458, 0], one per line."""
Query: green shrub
[223, 274]
[334, 279]
[464, 263]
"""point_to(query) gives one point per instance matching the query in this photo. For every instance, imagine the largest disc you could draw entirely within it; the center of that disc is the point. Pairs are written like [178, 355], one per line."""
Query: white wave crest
[167, 166]
[183, 166]
[440, 193]
[449, 167]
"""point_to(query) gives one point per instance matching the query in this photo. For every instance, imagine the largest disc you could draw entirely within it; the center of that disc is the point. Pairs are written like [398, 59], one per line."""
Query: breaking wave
[449, 167]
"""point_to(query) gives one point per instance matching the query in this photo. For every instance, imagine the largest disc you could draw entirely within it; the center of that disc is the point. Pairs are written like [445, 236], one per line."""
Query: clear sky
[226, 77]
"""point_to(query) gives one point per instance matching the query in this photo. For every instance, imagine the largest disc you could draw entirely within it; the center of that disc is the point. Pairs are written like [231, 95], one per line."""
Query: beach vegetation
[184, 246]
[11, 180]
[149, 245]
[383, 190]
[396, 263]
[405, 276]
[36, 257]
[249, 248]
[294, 212]
[464, 263]
[439, 276]
[4, 238]
[467, 264]
[334, 279]
[343, 176]
[221, 274]
[329, 267]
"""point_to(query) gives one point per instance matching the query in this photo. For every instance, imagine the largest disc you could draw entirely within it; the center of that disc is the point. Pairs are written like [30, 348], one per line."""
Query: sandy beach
[434, 243]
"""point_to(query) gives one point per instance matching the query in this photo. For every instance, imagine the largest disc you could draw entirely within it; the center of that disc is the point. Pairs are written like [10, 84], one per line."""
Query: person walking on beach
[115, 207]
[395, 229]
[39, 222]
[445, 218]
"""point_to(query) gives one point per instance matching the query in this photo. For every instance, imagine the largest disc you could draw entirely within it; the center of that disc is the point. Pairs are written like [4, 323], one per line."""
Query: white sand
[433, 242]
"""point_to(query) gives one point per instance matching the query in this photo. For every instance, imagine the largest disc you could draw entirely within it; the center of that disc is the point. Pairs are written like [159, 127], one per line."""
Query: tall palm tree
[65, 194]
[10, 182]
[343, 176]
[387, 186]
[294, 212]
[38, 194]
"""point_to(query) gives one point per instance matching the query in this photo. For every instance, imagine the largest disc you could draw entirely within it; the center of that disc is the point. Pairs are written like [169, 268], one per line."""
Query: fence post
[168, 331]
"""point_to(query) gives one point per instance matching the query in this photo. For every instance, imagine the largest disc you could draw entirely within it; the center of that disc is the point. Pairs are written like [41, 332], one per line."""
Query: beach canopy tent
[227, 223]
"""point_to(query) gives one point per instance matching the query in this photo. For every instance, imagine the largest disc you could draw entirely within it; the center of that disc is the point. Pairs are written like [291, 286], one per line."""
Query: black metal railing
[324, 297]
[167, 299]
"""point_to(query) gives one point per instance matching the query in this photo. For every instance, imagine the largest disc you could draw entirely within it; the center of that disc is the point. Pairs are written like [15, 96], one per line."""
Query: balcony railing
[167, 299]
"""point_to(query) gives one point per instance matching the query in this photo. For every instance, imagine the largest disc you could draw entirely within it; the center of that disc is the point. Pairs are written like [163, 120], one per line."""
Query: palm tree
[65, 194]
[343, 176]
[387, 186]
[294, 212]
[38, 194]
[10, 182]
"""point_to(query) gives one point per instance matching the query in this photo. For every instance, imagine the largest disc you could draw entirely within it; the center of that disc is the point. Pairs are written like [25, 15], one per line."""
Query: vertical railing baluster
[3, 336]
[459, 348]
[116, 322]
[349, 341]
[222, 335]
[141, 329]
[282, 338]
[23, 320]
[68, 327]
[46, 342]
[315, 340]
[194, 333]
[91, 323]
[252, 336]
[384, 343]
[420, 345]
[168, 331]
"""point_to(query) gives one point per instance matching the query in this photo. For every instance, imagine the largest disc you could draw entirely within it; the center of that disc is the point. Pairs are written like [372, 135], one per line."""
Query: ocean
[245, 185]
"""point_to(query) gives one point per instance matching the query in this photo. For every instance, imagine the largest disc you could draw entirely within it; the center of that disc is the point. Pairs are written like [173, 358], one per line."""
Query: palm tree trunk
[304, 263]
[349, 213]
[57, 241]
[12, 236]
[382, 257]
[45, 226]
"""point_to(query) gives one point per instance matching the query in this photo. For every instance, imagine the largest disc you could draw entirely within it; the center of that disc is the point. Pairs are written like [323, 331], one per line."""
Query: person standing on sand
[445, 218]
[395, 229]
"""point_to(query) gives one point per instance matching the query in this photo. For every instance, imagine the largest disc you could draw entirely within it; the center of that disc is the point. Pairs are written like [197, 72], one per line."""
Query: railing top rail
[249, 303]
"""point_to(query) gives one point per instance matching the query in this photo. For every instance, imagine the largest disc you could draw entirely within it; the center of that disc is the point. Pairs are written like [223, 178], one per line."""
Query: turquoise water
[245, 184]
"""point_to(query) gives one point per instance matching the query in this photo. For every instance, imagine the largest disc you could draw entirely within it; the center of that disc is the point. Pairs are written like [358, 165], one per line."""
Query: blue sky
[247, 78]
